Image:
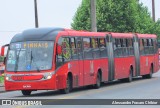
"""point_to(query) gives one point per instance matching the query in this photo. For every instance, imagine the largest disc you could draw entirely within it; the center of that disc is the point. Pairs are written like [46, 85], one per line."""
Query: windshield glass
[30, 56]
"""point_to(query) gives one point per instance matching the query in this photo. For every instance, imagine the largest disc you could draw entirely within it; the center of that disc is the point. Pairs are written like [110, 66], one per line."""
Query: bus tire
[68, 87]
[98, 81]
[130, 78]
[26, 92]
[150, 74]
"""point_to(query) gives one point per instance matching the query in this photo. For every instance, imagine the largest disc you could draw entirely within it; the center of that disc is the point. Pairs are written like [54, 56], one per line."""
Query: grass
[1, 79]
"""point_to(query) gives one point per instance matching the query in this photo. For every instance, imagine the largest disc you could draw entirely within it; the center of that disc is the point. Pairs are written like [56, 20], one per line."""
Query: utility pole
[153, 10]
[93, 16]
[36, 13]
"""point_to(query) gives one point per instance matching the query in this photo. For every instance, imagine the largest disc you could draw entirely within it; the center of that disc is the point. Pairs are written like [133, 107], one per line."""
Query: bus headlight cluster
[47, 75]
[7, 77]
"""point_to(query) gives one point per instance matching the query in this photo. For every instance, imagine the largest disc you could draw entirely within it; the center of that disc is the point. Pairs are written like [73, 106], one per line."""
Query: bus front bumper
[49, 84]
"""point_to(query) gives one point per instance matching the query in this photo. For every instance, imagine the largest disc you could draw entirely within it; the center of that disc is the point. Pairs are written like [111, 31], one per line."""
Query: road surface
[138, 89]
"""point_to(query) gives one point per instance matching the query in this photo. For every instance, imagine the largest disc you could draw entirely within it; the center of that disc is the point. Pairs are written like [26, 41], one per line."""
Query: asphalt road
[138, 89]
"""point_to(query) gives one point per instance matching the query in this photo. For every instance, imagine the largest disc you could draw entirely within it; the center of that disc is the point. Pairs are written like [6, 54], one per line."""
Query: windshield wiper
[32, 59]
[17, 61]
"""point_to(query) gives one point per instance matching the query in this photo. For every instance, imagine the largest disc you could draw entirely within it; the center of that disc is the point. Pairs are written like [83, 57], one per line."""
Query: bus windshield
[30, 56]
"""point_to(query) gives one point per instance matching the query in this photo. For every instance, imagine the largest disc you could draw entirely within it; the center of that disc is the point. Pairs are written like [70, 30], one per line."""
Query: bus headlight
[47, 75]
[7, 78]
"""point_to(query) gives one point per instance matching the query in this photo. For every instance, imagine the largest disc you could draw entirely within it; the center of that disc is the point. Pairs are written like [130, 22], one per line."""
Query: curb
[2, 90]
[1, 85]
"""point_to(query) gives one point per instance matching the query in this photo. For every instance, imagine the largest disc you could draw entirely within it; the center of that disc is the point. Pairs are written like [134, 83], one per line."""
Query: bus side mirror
[2, 51]
[59, 49]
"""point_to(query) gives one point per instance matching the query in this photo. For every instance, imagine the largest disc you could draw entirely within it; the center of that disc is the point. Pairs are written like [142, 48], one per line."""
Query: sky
[18, 15]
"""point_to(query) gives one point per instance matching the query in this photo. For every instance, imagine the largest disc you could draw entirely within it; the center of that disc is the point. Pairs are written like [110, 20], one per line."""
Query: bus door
[88, 64]
[111, 71]
[80, 60]
[137, 55]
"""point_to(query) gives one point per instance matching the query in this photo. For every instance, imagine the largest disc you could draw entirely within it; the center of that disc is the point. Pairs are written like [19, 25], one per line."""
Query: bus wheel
[150, 74]
[130, 78]
[69, 86]
[98, 81]
[26, 92]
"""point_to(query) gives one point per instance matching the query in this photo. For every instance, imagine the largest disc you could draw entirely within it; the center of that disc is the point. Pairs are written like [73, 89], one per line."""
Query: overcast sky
[18, 15]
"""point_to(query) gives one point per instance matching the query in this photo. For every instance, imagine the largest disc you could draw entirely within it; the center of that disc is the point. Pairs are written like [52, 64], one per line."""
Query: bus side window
[125, 51]
[117, 48]
[141, 46]
[122, 47]
[79, 47]
[66, 53]
[130, 46]
[146, 42]
[94, 43]
[74, 49]
[59, 58]
[102, 46]
[95, 47]
[150, 47]
[155, 45]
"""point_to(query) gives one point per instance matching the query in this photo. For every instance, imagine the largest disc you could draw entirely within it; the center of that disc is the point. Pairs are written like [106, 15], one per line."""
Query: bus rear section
[123, 56]
[148, 54]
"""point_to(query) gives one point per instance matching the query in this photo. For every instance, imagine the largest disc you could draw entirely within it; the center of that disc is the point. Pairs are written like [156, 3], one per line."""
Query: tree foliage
[1, 58]
[116, 16]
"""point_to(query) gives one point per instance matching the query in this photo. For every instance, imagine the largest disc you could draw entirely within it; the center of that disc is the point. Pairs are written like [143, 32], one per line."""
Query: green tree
[156, 28]
[1, 58]
[82, 17]
[116, 16]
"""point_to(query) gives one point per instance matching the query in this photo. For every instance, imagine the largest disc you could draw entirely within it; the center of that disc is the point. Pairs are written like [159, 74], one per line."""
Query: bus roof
[49, 34]
[85, 33]
[146, 35]
[122, 35]
[37, 34]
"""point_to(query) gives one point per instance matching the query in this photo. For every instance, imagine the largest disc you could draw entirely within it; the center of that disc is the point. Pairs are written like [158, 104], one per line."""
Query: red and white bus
[63, 59]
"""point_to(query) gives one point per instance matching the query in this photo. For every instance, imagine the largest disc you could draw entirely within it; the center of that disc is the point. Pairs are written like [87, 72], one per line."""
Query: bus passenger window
[144, 42]
[130, 46]
[141, 46]
[73, 49]
[73, 45]
[124, 43]
[66, 49]
[102, 46]
[66, 52]
[146, 46]
[94, 43]
[95, 51]
[86, 43]
[102, 43]
[130, 43]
